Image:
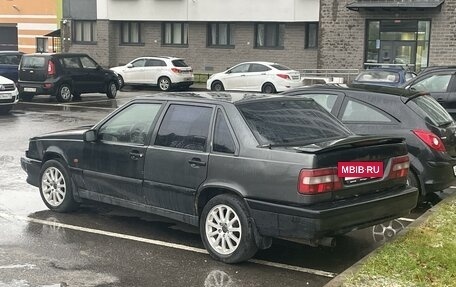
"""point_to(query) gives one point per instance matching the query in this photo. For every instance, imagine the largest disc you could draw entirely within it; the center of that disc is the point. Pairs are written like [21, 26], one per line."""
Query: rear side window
[72, 63]
[155, 63]
[179, 63]
[280, 67]
[429, 109]
[258, 68]
[359, 112]
[223, 140]
[185, 127]
[289, 122]
[33, 62]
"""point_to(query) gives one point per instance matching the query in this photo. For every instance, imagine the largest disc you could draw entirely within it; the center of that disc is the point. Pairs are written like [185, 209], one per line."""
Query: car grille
[9, 100]
[7, 87]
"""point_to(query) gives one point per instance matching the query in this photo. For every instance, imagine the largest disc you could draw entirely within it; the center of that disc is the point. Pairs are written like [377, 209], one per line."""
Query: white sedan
[263, 77]
[8, 95]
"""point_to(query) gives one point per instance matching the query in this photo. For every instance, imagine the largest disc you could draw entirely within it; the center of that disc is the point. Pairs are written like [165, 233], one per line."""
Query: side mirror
[129, 66]
[90, 136]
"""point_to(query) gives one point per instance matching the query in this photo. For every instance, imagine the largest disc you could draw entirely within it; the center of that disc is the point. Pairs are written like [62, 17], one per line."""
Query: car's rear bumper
[183, 83]
[333, 218]
[286, 85]
[32, 167]
[37, 88]
[438, 175]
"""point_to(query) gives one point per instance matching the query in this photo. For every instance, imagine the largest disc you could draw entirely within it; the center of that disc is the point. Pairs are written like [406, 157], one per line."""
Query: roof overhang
[55, 33]
[395, 4]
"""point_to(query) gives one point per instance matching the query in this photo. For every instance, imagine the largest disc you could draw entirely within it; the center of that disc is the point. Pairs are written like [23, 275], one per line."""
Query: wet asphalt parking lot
[100, 245]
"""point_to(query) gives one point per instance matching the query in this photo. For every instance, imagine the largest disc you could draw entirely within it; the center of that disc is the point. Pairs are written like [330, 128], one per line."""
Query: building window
[220, 35]
[131, 33]
[269, 35]
[311, 37]
[85, 31]
[175, 33]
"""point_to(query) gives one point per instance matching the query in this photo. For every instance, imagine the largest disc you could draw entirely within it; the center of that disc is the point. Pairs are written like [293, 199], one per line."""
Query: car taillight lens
[176, 70]
[51, 68]
[314, 181]
[399, 167]
[284, 76]
[430, 139]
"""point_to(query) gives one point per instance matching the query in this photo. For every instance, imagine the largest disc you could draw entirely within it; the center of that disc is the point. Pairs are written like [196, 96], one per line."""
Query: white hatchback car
[8, 95]
[164, 72]
[263, 77]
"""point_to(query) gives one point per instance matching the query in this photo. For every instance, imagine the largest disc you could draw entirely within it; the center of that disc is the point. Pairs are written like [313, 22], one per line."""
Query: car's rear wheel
[26, 97]
[226, 231]
[217, 86]
[64, 93]
[111, 90]
[56, 186]
[268, 88]
[5, 109]
[164, 84]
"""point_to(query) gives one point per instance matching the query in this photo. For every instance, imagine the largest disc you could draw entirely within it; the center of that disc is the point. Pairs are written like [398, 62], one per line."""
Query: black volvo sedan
[243, 168]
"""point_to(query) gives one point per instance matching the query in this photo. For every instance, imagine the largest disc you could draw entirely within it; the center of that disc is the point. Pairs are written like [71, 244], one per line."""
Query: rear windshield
[430, 110]
[10, 59]
[289, 122]
[33, 62]
[179, 63]
[280, 67]
[378, 76]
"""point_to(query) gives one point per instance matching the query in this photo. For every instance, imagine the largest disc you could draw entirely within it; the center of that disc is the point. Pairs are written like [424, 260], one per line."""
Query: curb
[340, 279]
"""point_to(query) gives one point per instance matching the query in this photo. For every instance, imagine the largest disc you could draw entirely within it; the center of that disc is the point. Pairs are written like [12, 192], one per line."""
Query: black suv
[64, 75]
[242, 168]
[440, 82]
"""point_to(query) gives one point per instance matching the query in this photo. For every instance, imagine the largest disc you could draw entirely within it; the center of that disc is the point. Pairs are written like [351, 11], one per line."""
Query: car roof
[11, 52]
[358, 88]
[212, 97]
[160, 57]
[56, 54]
[435, 68]
[388, 69]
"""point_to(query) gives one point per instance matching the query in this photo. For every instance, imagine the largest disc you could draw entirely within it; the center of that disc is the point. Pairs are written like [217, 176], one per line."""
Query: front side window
[243, 68]
[433, 84]
[311, 36]
[131, 33]
[85, 31]
[88, 63]
[185, 127]
[175, 33]
[131, 125]
[269, 35]
[223, 140]
[220, 34]
[138, 63]
[358, 112]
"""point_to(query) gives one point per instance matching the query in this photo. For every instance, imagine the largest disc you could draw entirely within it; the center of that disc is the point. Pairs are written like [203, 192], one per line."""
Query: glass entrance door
[398, 52]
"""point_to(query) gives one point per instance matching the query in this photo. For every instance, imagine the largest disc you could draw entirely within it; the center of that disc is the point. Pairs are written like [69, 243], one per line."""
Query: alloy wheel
[223, 229]
[53, 186]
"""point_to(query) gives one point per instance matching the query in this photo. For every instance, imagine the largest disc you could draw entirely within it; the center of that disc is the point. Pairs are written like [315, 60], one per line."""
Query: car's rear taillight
[51, 68]
[284, 76]
[313, 181]
[176, 70]
[399, 167]
[430, 139]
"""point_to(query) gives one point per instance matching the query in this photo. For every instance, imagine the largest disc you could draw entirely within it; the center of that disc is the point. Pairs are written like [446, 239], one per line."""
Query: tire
[121, 81]
[64, 93]
[26, 97]
[268, 88]
[217, 86]
[111, 90]
[412, 180]
[56, 186]
[236, 242]
[164, 84]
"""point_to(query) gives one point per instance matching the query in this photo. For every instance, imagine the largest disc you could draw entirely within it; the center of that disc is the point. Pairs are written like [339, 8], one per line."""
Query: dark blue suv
[9, 62]
[384, 76]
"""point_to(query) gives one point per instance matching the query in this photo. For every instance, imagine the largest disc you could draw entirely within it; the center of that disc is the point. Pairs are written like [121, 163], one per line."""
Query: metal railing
[331, 75]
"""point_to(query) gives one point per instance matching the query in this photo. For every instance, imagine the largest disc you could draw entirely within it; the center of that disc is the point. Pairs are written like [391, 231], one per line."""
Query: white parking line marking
[406, 219]
[163, 243]
[452, 186]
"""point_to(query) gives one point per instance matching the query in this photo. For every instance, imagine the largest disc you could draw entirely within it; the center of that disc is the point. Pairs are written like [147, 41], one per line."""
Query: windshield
[429, 109]
[289, 122]
[378, 76]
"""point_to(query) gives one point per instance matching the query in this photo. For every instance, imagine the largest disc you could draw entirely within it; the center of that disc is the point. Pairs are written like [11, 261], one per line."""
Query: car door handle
[440, 100]
[263, 74]
[242, 75]
[135, 155]
[195, 162]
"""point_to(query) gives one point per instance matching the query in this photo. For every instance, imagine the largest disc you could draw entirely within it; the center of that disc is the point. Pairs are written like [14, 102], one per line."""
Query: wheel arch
[54, 152]
[208, 192]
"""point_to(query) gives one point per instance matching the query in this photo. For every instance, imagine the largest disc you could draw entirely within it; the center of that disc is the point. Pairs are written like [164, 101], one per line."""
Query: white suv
[8, 95]
[164, 72]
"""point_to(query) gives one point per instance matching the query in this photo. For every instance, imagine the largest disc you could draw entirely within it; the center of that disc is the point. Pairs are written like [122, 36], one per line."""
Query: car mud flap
[262, 242]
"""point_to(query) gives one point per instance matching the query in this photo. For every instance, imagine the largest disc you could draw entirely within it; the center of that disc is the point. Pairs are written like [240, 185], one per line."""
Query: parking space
[108, 246]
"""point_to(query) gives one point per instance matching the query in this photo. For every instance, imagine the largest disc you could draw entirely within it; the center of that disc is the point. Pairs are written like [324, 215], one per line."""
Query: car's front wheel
[64, 93]
[56, 186]
[226, 231]
[111, 90]
[121, 81]
[164, 84]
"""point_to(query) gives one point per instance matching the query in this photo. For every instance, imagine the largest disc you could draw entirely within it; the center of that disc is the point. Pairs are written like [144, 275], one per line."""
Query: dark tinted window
[185, 127]
[280, 67]
[130, 125]
[72, 63]
[10, 59]
[291, 122]
[33, 62]
[155, 63]
[258, 68]
[223, 140]
[88, 63]
[179, 63]
[429, 109]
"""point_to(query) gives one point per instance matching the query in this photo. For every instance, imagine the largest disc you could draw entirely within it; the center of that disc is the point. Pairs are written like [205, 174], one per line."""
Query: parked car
[9, 62]
[8, 95]
[428, 129]
[262, 77]
[385, 76]
[440, 82]
[242, 168]
[164, 72]
[65, 76]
